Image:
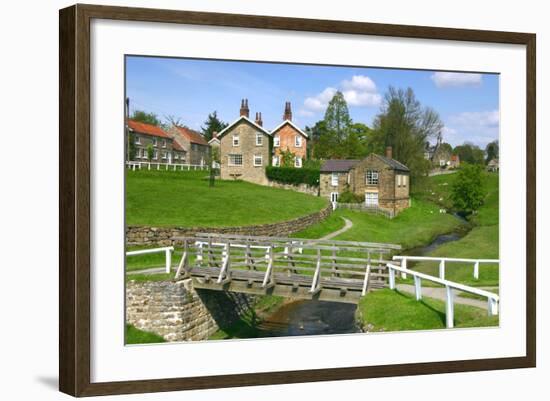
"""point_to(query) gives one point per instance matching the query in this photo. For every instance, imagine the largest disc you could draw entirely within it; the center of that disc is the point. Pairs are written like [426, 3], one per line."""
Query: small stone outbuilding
[383, 181]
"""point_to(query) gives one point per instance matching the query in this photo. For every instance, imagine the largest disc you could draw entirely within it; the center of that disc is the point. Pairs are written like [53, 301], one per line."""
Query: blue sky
[190, 89]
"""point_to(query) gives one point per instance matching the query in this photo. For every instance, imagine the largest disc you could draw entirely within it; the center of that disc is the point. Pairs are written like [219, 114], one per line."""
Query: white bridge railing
[167, 252]
[450, 286]
[134, 165]
[442, 263]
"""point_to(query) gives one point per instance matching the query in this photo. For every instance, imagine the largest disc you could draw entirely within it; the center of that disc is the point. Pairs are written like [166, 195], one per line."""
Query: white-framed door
[334, 197]
[371, 199]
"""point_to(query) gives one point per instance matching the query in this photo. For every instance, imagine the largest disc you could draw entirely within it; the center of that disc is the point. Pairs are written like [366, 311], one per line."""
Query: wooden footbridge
[327, 270]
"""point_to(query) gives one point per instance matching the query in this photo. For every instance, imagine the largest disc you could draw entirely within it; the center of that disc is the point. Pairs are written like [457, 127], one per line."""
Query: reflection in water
[303, 318]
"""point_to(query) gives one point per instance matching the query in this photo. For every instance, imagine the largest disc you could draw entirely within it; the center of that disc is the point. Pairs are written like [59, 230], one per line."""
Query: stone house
[493, 166]
[455, 161]
[289, 137]
[194, 144]
[382, 180]
[148, 135]
[440, 156]
[245, 149]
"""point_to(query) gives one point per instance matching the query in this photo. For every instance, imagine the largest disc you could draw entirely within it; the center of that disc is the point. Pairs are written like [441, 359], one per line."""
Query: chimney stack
[259, 119]
[389, 152]
[244, 111]
[288, 112]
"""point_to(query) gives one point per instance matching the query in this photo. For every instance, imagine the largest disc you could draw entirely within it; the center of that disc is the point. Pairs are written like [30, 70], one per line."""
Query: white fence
[492, 299]
[442, 262]
[165, 166]
[167, 251]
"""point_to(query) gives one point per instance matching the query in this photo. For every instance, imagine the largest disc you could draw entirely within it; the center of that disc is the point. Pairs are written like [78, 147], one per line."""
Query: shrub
[350, 197]
[294, 176]
[468, 190]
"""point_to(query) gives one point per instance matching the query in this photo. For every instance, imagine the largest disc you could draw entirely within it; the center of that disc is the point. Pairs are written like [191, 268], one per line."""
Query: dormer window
[236, 141]
[298, 141]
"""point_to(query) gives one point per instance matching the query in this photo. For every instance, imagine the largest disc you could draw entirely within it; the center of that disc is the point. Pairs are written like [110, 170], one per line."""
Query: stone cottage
[382, 180]
[245, 149]
[287, 136]
[165, 150]
[194, 144]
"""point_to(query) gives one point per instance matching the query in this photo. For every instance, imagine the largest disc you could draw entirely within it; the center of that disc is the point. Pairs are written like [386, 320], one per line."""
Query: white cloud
[305, 113]
[479, 127]
[360, 90]
[319, 102]
[455, 79]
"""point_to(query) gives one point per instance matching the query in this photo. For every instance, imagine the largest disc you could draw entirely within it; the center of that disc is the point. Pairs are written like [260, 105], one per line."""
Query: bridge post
[168, 260]
[492, 307]
[450, 307]
[392, 278]
[404, 266]
[476, 270]
[418, 288]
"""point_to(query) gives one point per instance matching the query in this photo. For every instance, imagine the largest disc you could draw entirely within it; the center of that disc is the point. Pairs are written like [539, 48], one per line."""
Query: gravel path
[440, 293]
[346, 227]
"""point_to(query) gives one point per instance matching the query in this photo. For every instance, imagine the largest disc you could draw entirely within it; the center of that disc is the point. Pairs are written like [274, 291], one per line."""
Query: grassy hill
[166, 198]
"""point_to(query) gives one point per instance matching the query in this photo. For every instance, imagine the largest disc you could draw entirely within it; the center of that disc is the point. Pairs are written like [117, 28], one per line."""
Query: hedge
[294, 176]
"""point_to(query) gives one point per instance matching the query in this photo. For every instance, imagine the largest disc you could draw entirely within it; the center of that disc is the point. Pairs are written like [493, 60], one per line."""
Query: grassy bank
[387, 310]
[167, 198]
[136, 336]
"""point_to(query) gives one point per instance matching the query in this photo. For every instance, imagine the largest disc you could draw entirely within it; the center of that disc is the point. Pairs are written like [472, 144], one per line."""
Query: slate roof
[393, 163]
[335, 166]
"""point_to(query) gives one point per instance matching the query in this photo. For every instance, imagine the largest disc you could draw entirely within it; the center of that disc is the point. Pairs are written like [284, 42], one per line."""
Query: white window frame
[334, 179]
[164, 143]
[371, 198]
[334, 196]
[164, 155]
[276, 160]
[138, 140]
[231, 160]
[298, 161]
[255, 158]
[372, 177]
[259, 139]
[298, 141]
[236, 140]
[399, 180]
[404, 180]
[441, 162]
[155, 142]
[276, 141]
[155, 154]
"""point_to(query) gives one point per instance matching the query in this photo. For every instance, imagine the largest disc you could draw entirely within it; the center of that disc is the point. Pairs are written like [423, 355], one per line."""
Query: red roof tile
[192, 136]
[147, 129]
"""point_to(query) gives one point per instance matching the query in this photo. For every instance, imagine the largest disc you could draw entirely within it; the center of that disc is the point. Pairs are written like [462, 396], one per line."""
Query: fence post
[450, 307]
[442, 269]
[168, 254]
[476, 270]
[492, 307]
[392, 278]
[404, 266]
[418, 288]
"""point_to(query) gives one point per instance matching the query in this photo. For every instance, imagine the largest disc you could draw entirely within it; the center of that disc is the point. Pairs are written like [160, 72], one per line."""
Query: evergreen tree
[492, 151]
[337, 119]
[212, 124]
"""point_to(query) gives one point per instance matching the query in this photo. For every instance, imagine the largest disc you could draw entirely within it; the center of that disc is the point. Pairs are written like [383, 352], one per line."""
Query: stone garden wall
[177, 312]
[162, 236]
[303, 188]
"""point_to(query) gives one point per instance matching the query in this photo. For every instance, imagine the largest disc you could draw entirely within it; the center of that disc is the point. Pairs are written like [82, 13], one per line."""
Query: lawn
[387, 310]
[415, 226]
[176, 198]
[136, 336]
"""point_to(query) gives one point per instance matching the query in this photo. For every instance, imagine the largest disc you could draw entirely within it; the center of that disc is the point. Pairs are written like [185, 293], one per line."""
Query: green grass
[149, 277]
[136, 336]
[415, 226]
[166, 198]
[332, 223]
[388, 310]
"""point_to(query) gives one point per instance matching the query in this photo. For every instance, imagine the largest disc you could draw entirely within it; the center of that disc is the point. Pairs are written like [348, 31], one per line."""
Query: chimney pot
[389, 152]
[244, 111]
[288, 112]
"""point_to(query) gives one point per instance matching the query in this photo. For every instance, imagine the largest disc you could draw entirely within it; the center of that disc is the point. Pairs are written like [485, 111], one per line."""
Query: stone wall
[162, 236]
[177, 312]
[303, 188]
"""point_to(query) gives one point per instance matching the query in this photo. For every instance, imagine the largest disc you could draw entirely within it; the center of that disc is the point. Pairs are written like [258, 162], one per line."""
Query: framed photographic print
[250, 200]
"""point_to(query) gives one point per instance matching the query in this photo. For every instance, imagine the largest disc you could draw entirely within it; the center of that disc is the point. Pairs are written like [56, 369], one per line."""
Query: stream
[319, 317]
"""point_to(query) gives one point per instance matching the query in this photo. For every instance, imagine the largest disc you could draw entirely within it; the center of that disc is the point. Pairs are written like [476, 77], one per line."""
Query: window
[334, 179]
[276, 141]
[164, 143]
[404, 182]
[236, 140]
[334, 196]
[138, 140]
[399, 180]
[259, 139]
[155, 142]
[235, 160]
[155, 154]
[441, 162]
[372, 177]
[164, 155]
[276, 161]
[144, 153]
[298, 141]
[371, 199]
[176, 157]
[297, 161]
[258, 160]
